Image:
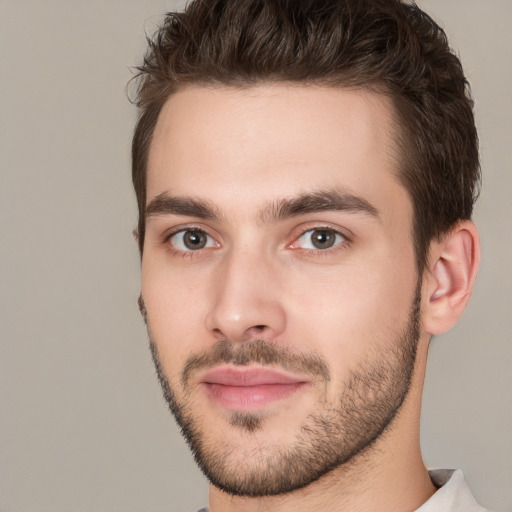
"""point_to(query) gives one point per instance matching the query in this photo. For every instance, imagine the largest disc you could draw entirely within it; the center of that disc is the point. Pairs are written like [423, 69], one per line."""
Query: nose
[247, 300]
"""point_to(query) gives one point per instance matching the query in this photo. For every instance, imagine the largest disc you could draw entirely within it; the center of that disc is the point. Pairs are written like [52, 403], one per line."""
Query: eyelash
[320, 252]
[166, 241]
[341, 245]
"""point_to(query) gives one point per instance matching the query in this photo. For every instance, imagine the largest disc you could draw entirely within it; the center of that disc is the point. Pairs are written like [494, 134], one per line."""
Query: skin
[242, 152]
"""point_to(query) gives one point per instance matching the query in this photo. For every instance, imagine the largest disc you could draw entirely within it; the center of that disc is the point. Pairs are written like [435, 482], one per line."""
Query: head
[387, 46]
[297, 167]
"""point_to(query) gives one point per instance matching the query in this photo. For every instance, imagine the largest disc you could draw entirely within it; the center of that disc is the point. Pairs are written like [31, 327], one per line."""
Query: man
[305, 175]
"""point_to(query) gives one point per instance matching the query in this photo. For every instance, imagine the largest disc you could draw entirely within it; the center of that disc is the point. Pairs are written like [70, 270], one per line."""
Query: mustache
[255, 351]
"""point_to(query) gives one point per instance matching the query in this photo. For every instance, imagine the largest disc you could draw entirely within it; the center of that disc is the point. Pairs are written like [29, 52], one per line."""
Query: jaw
[391, 468]
[393, 465]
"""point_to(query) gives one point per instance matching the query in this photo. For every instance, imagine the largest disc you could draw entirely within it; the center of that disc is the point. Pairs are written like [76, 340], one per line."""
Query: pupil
[194, 240]
[322, 239]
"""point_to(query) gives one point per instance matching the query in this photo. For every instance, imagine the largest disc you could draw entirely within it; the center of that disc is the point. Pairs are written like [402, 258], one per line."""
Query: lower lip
[250, 398]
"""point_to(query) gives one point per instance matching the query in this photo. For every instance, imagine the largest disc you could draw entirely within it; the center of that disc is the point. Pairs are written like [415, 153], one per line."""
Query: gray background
[82, 423]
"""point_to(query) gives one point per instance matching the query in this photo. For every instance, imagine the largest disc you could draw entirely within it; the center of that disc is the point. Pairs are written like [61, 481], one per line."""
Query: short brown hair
[387, 45]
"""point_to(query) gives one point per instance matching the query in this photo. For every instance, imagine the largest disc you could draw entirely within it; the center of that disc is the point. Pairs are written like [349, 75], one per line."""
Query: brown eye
[319, 239]
[191, 240]
[323, 239]
[194, 240]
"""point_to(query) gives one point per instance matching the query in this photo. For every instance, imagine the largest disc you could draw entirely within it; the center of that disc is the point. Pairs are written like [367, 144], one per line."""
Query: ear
[135, 234]
[449, 277]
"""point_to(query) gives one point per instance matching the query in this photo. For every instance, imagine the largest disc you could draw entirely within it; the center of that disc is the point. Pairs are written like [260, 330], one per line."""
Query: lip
[249, 389]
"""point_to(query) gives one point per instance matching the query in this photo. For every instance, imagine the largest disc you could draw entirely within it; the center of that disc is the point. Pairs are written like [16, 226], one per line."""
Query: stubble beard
[332, 436]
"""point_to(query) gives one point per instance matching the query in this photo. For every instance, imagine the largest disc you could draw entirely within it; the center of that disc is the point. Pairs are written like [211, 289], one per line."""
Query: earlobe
[449, 278]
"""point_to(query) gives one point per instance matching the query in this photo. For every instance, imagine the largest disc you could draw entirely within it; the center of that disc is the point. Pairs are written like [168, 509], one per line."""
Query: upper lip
[247, 376]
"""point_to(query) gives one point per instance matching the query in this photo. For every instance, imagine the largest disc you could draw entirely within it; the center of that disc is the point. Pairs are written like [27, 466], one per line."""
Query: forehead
[276, 140]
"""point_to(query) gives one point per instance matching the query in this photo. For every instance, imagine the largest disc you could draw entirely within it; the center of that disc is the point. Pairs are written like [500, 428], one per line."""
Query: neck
[390, 476]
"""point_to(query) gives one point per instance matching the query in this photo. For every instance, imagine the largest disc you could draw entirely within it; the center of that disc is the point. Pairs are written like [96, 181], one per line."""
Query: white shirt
[454, 494]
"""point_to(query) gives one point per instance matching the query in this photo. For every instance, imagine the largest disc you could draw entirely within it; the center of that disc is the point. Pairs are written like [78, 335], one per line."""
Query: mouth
[249, 389]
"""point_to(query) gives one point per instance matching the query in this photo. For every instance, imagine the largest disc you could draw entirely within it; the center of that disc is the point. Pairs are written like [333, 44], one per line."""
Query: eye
[191, 240]
[318, 239]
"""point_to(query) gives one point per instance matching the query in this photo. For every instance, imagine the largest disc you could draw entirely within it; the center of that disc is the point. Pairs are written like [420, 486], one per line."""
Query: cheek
[351, 310]
[176, 305]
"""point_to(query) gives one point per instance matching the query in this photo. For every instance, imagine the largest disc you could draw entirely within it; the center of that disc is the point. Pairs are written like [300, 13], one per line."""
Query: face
[279, 279]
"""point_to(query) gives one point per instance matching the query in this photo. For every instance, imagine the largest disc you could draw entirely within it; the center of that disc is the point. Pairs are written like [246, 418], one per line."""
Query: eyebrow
[319, 201]
[311, 202]
[165, 204]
